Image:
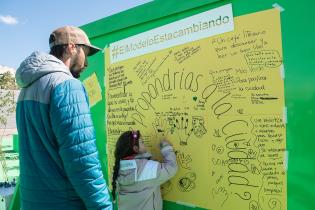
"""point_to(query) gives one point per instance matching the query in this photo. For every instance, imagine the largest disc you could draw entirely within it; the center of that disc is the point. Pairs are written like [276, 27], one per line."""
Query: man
[59, 165]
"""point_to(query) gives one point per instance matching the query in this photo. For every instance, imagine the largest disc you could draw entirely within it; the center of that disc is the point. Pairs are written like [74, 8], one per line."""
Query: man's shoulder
[66, 84]
[54, 80]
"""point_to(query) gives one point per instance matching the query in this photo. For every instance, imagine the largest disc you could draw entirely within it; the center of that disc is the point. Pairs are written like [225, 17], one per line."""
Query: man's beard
[75, 71]
[75, 74]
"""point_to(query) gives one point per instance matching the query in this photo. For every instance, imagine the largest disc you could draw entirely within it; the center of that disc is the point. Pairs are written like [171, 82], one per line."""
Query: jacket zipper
[153, 201]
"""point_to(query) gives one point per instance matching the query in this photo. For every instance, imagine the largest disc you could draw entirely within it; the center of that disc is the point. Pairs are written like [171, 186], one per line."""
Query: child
[138, 177]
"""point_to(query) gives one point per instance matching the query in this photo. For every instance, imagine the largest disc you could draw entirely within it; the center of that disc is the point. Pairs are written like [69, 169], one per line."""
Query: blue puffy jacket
[59, 163]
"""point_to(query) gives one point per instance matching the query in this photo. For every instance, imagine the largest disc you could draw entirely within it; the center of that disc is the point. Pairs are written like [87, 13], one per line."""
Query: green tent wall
[298, 33]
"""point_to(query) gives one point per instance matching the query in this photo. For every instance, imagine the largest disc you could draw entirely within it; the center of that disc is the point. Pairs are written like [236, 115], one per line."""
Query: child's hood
[129, 169]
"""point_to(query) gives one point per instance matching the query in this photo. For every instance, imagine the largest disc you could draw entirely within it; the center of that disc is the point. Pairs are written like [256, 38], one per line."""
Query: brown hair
[124, 148]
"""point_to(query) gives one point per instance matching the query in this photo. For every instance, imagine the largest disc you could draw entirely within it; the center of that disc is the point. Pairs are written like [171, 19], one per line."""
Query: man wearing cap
[59, 163]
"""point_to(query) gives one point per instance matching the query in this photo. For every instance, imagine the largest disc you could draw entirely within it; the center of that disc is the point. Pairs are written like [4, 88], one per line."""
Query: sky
[25, 25]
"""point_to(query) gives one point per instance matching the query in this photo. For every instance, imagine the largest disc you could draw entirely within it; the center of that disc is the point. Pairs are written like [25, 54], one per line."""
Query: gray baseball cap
[71, 34]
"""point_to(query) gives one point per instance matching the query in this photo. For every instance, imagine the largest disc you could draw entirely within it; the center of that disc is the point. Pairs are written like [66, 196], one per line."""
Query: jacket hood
[37, 65]
[128, 177]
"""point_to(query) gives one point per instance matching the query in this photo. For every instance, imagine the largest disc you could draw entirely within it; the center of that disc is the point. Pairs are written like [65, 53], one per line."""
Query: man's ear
[71, 49]
[135, 149]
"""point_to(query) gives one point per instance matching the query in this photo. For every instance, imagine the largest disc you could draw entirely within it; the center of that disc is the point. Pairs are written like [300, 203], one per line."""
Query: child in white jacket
[138, 177]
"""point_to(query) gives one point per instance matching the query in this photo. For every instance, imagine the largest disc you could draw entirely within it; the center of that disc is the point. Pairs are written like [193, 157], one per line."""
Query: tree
[7, 97]
[7, 108]
[7, 81]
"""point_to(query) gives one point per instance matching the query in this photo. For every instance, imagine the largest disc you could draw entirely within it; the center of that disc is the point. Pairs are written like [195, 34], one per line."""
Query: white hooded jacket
[139, 180]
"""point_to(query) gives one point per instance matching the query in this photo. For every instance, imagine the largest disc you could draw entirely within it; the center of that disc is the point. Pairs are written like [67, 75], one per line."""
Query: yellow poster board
[220, 101]
[93, 89]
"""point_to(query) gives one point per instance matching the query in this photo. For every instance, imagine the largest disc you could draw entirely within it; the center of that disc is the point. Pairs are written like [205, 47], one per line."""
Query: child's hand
[164, 143]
